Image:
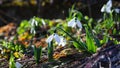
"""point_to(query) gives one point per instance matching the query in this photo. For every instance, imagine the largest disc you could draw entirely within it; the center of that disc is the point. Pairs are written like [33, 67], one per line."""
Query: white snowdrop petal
[72, 23]
[43, 22]
[34, 32]
[50, 38]
[79, 24]
[57, 38]
[62, 41]
[1, 48]
[31, 31]
[103, 8]
[36, 23]
[32, 23]
[109, 3]
[107, 8]
[117, 10]
[18, 65]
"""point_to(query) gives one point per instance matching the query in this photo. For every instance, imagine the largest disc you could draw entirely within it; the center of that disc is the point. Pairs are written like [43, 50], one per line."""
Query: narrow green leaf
[50, 51]
[76, 45]
[90, 41]
[11, 61]
[37, 53]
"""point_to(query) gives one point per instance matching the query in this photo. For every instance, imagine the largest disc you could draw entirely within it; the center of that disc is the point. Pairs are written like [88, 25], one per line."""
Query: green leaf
[76, 45]
[50, 51]
[23, 27]
[12, 62]
[90, 41]
[37, 53]
[97, 41]
[105, 39]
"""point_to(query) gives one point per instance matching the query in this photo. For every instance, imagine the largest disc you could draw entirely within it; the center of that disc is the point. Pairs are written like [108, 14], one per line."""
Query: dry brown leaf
[7, 27]
[64, 53]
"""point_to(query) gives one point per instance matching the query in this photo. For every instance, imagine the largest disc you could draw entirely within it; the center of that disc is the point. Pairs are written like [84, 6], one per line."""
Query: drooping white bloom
[34, 22]
[59, 39]
[62, 41]
[33, 31]
[53, 36]
[74, 22]
[117, 10]
[107, 8]
[18, 65]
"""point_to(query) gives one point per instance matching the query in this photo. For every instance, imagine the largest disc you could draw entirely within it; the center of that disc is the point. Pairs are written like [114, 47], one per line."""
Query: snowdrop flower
[34, 22]
[107, 8]
[53, 36]
[18, 65]
[75, 22]
[117, 10]
[59, 39]
[62, 41]
[43, 22]
[32, 30]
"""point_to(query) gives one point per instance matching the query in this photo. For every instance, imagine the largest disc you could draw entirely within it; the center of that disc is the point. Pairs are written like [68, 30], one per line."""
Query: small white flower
[59, 39]
[33, 31]
[107, 8]
[34, 22]
[117, 10]
[74, 22]
[53, 36]
[18, 65]
[62, 41]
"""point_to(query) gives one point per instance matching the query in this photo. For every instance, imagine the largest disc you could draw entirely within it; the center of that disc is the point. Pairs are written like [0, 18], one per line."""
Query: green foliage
[30, 25]
[88, 46]
[90, 41]
[37, 53]
[13, 47]
[12, 62]
[78, 44]
[89, 21]
[105, 39]
[74, 13]
[24, 26]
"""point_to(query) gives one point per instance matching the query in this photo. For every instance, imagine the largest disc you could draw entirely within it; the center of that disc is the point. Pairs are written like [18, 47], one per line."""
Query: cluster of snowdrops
[70, 34]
